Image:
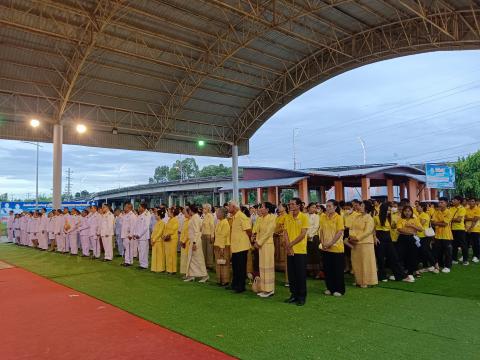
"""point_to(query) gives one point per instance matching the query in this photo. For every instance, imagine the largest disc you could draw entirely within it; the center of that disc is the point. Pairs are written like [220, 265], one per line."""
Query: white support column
[57, 165]
[222, 198]
[170, 200]
[235, 172]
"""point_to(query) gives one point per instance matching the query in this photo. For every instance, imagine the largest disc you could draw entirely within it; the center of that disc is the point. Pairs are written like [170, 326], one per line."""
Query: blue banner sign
[440, 176]
[19, 206]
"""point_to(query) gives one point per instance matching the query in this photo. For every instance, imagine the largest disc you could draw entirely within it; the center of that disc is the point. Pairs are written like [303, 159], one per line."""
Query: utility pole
[68, 185]
[364, 150]
[294, 135]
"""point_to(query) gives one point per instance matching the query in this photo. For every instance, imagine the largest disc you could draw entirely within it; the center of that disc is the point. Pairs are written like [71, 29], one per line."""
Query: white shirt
[10, 220]
[314, 221]
[128, 224]
[107, 224]
[58, 224]
[94, 223]
[142, 226]
[84, 226]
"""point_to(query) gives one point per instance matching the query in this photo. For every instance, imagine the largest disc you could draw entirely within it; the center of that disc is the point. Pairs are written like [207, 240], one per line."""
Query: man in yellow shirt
[442, 246]
[241, 232]
[295, 237]
[331, 242]
[472, 228]
[458, 230]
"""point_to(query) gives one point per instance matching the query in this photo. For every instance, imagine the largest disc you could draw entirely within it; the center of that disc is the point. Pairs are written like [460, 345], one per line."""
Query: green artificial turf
[438, 317]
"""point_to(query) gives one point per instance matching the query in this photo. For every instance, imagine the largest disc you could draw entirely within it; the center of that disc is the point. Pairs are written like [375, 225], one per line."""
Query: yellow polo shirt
[472, 213]
[426, 225]
[401, 223]
[458, 211]
[443, 232]
[329, 227]
[393, 231]
[379, 226]
[222, 234]
[293, 227]
[239, 239]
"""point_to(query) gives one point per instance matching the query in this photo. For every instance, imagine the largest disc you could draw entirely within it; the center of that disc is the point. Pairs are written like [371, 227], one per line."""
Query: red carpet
[40, 319]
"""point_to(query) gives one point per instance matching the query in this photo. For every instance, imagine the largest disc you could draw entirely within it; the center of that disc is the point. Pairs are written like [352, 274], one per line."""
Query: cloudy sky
[413, 109]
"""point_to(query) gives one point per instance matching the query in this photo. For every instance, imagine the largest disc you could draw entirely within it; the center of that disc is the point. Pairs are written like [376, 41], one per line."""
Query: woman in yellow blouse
[331, 242]
[280, 253]
[408, 227]
[266, 225]
[385, 252]
[158, 246]
[361, 240]
[184, 243]
[170, 237]
[426, 253]
[472, 227]
[221, 247]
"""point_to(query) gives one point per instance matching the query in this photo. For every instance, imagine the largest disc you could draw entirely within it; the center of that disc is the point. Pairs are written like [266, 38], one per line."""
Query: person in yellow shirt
[442, 246]
[158, 246]
[458, 230]
[472, 228]
[170, 238]
[265, 226]
[385, 252]
[208, 229]
[221, 247]
[241, 232]
[426, 254]
[361, 240]
[408, 226]
[280, 251]
[331, 243]
[295, 237]
[313, 251]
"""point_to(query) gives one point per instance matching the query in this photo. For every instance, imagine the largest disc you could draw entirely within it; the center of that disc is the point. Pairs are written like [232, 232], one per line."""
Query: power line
[68, 185]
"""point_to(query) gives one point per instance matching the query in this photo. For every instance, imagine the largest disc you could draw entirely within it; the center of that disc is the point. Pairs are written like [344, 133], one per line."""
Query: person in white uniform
[10, 220]
[94, 225]
[16, 229]
[142, 235]
[67, 218]
[59, 225]
[128, 224]
[43, 236]
[72, 233]
[51, 230]
[118, 231]
[84, 233]
[106, 232]
[23, 229]
[34, 229]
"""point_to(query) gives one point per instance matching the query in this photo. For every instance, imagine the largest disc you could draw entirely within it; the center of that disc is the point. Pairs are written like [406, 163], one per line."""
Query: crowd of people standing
[373, 240]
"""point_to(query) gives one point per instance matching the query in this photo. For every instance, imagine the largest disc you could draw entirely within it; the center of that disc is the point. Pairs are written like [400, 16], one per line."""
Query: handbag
[429, 232]
[256, 285]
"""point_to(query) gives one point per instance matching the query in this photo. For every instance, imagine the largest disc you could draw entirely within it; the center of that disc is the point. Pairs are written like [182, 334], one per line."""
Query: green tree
[215, 170]
[160, 175]
[467, 176]
[188, 168]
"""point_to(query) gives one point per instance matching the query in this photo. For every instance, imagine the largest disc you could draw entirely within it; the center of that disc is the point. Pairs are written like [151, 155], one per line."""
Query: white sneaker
[204, 279]
[409, 279]
[460, 259]
[445, 270]
[431, 269]
[327, 292]
[391, 278]
[436, 271]
[454, 262]
[188, 279]
[385, 280]
[475, 259]
[466, 263]
[424, 270]
[337, 294]
[267, 294]
[287, 285]
[259, 294]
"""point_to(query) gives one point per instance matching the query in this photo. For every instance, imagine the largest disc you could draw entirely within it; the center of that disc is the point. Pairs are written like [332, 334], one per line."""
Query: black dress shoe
[300, 302]
[291, 300]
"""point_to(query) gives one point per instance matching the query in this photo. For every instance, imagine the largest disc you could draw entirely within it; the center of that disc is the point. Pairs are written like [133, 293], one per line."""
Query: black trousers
[459, 240]
[473, 239]
[442, 250]
[426, 253]
[239, 270]
[333, 265]
[313, 255]
[297, 276]
[386, 255]
[407, 252]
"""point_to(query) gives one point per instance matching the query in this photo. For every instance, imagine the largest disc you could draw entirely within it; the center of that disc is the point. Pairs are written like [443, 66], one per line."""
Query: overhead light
[201, 143]
[81, 128]
[115, 131]
[34, 123]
